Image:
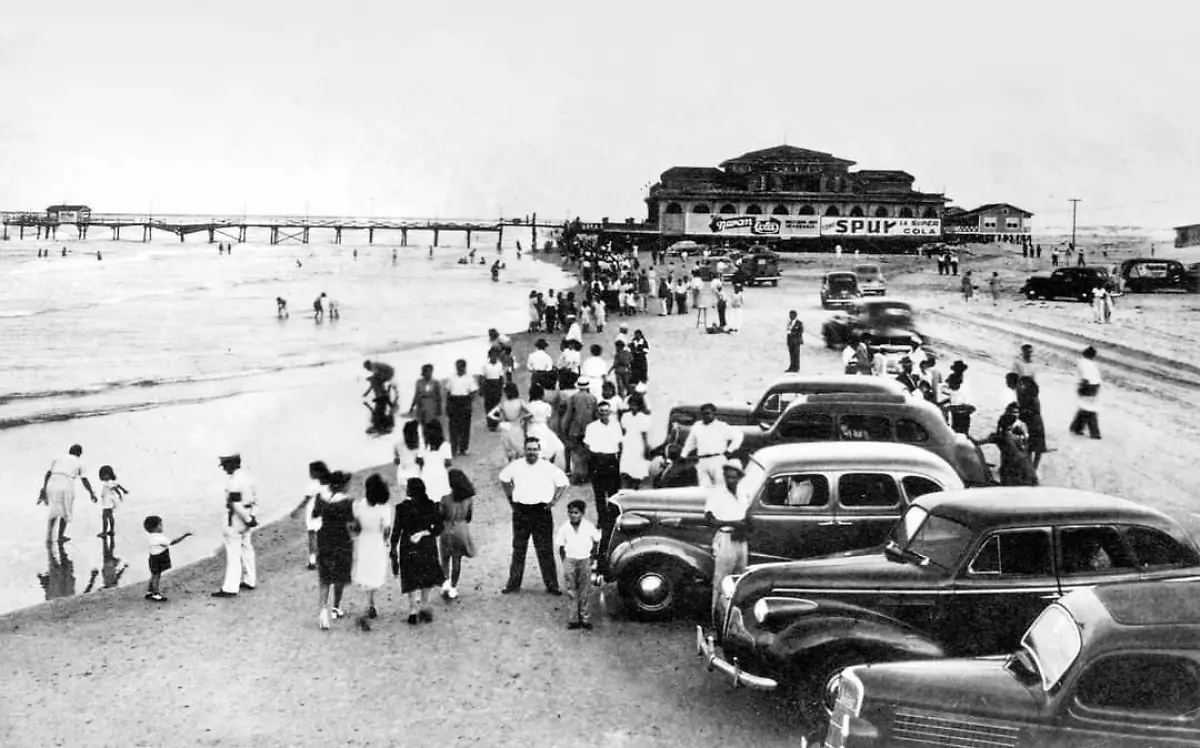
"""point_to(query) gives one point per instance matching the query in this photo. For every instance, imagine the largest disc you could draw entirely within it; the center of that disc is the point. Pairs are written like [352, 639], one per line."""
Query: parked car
[758, 266]
[1117, 665]
[1143, 275]
[687, 245]
[708, 267]
[803, 499]
[872, 418]
[1071, 282]
[839, 289]
[885, 325]
[870, 280]
[963, 574]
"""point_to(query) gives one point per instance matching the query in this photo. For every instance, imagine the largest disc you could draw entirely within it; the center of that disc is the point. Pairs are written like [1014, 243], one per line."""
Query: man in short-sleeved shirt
[533, 486]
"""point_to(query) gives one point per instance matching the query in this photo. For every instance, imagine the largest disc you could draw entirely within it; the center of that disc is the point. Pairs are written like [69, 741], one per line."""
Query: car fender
[834, 627]
[697, 560]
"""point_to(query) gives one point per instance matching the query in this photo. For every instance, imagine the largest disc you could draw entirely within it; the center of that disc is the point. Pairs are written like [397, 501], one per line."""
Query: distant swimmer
[356, 254]
[472, 255]
[482, 260]
[299, 264]
[462, 261]
[431, 252]
[64, 254]
[393, 257]
[334, 311]
[281, 309]
[319, 307]
[98, 255]
[496, 270]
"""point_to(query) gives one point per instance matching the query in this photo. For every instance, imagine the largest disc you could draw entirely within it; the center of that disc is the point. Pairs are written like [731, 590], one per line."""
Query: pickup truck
[1073, 283]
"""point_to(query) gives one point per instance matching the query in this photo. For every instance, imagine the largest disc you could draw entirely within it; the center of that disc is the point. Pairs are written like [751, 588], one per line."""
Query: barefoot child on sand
[111, 494]
[318, 489]
[160, 555]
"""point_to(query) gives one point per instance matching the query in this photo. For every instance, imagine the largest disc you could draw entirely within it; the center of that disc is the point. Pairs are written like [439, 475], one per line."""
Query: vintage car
[870, 280]
[1117, 665]
[839, 289]
[778, 395]
[963, 574]
[709, 266]
[1146, 274]
[1070, 282]
[803, 499]
[885, 325]
[871, 418]
[758, 266]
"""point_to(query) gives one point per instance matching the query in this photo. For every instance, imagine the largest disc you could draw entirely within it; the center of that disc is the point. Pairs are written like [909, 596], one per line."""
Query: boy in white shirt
[578, 543]
[160, 554]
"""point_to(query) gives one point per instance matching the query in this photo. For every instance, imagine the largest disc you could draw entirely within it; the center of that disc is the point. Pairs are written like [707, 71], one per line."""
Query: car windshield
[938, 539]
[1053, 642]
[867, 272]
[750, 484]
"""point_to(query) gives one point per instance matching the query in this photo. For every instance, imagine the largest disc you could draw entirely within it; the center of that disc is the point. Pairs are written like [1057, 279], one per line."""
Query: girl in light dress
[538, 413]
[736, 301]
[373, 518]
[111, 494]
[511, 414]
[435, 461]
[456, 542]
[405, 453]
[634, 463]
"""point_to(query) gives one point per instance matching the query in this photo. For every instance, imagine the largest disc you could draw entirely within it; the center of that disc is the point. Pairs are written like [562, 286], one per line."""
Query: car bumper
[707, 649]
[840, 302]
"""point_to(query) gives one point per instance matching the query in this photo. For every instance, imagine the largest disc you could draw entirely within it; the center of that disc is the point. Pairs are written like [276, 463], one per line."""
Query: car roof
[852, 382]
[1152, 603]
[981, 508]
[867, 266]
[885, 303]
[881, 455]
[841, 273]
[866, 403]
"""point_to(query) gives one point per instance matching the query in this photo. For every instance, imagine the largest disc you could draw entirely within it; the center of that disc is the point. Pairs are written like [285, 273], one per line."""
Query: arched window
[906, 212]
[856, 212]
[753, 210]
[779, 210]
[881, 212]
[805, 210]
[728, 208]
[832, 210]
[673, 208]
[700, 208]
[929, 213]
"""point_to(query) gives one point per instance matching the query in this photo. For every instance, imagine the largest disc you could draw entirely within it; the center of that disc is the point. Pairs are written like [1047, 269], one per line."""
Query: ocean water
[160, 356]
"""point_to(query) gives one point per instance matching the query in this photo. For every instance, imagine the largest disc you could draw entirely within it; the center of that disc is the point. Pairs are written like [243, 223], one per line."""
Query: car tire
[652, 588]
[817, 688]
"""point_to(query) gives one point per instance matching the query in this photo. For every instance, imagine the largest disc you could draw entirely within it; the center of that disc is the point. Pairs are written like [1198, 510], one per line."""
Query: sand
[112, 669]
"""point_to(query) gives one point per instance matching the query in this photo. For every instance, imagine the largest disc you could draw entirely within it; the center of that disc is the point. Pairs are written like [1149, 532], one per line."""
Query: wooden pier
[282, 228]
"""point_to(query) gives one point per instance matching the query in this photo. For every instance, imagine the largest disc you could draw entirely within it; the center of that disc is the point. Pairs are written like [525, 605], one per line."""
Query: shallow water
[161, 356]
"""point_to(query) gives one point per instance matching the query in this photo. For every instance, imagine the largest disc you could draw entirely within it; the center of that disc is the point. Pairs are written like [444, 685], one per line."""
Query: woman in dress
[335, 548]
[456, 542]
[435, 461]
[639, 347]
[538, 414]
[635, 445]
[373, 518]
[414, 549]
[427, 398]
[405, 453]
[535, 313]
[510, 414]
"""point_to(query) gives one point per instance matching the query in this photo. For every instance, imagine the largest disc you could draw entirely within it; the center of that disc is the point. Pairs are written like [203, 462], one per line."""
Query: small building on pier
[68, 213]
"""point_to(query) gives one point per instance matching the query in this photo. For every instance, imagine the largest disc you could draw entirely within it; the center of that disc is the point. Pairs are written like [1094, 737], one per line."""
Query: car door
[1006, 581]
[792, 517]
[868, 505]
[1092, 554]
[1133, 698]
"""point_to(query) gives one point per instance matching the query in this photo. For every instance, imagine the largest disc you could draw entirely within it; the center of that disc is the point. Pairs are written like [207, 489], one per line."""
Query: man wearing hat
[906, 376]
[240, 500]
[711, 441]
[724, 510]
[580, 411]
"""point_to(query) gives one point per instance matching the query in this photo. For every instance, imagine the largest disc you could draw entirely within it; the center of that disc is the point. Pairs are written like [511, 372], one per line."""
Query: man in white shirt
[241, 496]
[541, 366]
[1088, 393]
[725, 510]
[460, 390]
[533, 486]
[602, 437]
[712, 442]
[491, 384]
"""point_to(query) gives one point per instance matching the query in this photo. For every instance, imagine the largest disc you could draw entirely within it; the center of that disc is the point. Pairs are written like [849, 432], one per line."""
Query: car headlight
[780, 607]
[761, 610]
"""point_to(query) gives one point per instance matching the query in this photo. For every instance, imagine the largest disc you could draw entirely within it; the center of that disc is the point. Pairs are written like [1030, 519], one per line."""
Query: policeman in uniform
[240, 500]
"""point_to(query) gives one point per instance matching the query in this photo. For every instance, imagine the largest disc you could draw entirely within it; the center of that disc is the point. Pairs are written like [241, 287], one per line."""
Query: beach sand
[112, 669]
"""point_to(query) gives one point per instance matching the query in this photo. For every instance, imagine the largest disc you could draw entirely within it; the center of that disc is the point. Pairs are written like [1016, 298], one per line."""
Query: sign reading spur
[753, 225]
[833, 226]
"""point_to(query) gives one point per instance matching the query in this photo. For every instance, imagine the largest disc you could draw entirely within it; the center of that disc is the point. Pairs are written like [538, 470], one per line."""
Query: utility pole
[1074, 207]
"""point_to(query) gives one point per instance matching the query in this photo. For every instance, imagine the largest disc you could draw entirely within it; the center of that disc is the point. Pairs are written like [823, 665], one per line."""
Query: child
[578, 543]
[111, 493]
[160, 554]
[456, 541]
[335, 548]
[317, 489]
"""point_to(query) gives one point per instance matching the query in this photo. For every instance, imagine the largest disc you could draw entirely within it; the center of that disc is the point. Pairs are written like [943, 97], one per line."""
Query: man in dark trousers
[460, 391]
[795, 339]
[533, 486]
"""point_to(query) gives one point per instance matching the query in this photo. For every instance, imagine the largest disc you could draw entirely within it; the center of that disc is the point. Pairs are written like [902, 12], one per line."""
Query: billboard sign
[783, 227]
[903, 227]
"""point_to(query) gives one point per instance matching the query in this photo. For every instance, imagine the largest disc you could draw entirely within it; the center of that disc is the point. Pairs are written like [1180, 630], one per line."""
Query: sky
[485, 109]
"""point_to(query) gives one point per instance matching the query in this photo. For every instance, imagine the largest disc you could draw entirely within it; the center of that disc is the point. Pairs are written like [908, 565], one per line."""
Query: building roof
[883, 174]
[995, 206]
[63, 208]
[785, 154]
[692, 173]
[980, 508]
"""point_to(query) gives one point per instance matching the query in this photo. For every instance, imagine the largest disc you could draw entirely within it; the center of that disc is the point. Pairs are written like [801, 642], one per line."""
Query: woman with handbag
[1088, 392]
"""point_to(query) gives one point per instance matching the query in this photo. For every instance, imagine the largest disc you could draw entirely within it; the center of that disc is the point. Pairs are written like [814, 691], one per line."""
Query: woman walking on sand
[968, 289]
[335, 547]
[373, 517]
[435, 461]
[414, 550]
[635, 445]
[640, 348]
[510, 414]
[406, 451]
[456, 542]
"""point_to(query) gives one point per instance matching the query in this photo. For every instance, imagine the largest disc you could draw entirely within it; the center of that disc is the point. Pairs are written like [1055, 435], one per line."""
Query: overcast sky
[465, 109]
